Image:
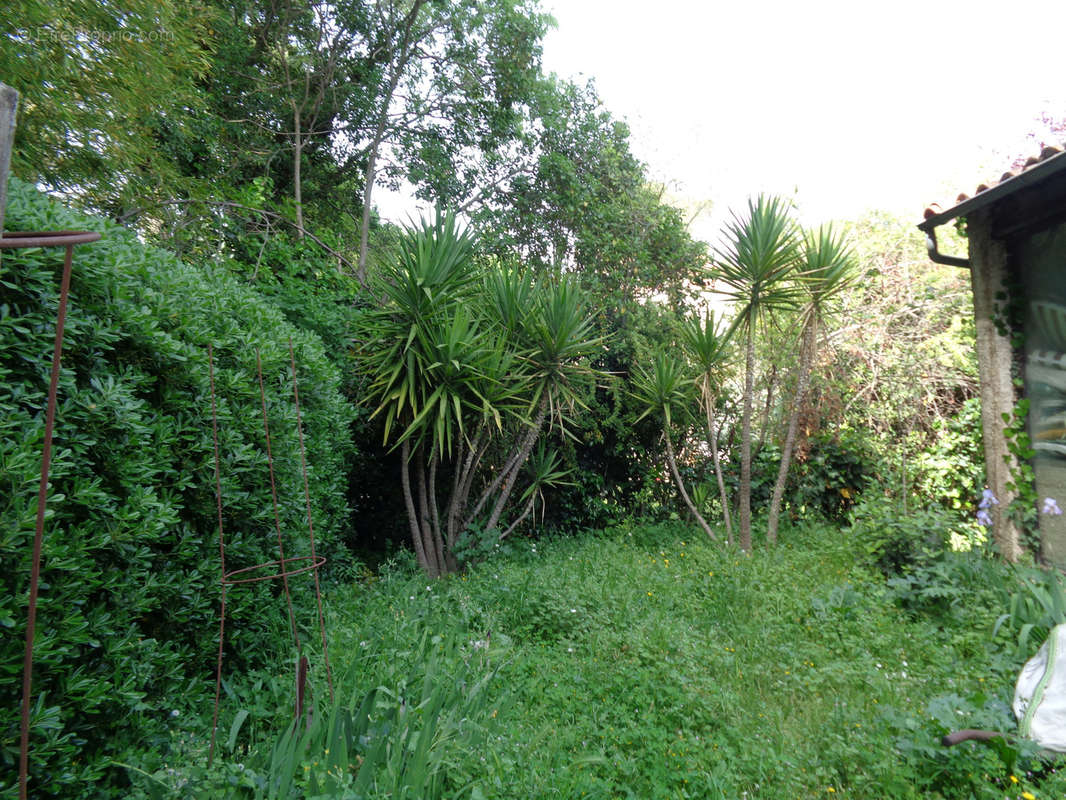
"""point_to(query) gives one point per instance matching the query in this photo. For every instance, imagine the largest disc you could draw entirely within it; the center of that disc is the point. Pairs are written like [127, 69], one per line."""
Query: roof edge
[1037, 172]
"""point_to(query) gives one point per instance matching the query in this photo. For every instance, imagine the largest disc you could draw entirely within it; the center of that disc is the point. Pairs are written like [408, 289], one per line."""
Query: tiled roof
[1050, 150]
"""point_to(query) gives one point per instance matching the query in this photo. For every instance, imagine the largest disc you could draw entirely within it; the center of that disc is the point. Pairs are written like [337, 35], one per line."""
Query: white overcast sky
[850, 105]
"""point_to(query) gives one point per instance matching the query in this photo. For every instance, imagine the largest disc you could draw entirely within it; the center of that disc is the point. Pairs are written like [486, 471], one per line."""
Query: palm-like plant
[707, 345]
[664, 391]
[827, 269]
[463, 366]
[552, 330]
[427, 361]
[423, 342]
[755, 265]
[546, 471]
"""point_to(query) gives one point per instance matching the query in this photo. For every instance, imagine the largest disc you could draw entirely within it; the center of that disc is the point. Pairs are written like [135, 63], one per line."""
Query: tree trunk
[764, 424]
[434, 516]
[297, 188]
[525, 513]
[712, 431]
[412, 514]
[745, 442]
[434, 554]
[988, 276]
[486, 493]
[364, 229]
[681, 486]
[466, 482]
[379, 136]
[810, 332]
[523, 454]
[9, 100]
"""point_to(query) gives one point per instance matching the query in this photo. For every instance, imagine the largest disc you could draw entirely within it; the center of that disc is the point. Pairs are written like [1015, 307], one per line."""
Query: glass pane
[1042, 263]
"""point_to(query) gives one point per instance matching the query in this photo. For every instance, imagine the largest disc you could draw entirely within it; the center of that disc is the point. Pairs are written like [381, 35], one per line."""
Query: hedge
[129, 595]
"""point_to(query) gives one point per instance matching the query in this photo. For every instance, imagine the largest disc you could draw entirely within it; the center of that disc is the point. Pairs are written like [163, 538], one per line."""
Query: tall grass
[645, 662]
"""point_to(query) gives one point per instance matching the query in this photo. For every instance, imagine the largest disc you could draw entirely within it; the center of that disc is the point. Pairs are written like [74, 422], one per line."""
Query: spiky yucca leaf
[664, 389]
[827, 268]
[758, 259]
[706, 341]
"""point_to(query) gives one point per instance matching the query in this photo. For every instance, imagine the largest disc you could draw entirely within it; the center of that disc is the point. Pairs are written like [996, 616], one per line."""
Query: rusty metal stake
[284, 567]
[8, 242]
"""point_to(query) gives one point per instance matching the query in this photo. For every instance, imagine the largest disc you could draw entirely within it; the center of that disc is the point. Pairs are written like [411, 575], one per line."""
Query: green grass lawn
[646, 662]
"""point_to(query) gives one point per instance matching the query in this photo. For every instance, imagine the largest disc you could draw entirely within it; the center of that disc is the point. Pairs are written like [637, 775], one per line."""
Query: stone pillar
[9, 100]
[988, 273]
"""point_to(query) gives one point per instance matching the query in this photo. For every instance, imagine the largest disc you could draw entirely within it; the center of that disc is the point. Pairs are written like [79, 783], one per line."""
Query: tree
[467, 367]
[756, 263]
[97, 82]
[661, 391]
[707, 345]
[576, 195]
[827, 269]
[907, 318]
[452, 82]
[318, 74]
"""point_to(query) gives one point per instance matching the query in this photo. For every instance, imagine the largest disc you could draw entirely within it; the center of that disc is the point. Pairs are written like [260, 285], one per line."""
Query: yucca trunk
[802, 383]
[421, 538]
[745, 441]
[712, 435]
[681, 486]
[521, 456]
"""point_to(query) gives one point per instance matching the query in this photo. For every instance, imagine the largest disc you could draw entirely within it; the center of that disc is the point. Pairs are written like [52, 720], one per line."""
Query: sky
[846, 106]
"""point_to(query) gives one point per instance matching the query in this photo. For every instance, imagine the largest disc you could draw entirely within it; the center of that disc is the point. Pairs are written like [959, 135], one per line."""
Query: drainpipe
[939, 258]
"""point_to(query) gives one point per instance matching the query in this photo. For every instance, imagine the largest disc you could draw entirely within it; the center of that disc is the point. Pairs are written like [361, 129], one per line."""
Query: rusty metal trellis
[11, 241]
[284, 567]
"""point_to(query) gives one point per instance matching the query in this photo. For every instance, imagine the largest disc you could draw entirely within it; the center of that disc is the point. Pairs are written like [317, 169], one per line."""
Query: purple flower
[1050, 507]
[984, 519]
[988, 499]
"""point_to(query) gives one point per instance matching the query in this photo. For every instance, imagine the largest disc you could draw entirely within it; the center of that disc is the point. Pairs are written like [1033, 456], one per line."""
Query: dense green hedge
[128, 610]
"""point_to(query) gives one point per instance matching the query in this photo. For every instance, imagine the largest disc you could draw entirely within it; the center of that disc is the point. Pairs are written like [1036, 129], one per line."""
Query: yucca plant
[755, 265]
[706, 343]
[554, 340]
[665, 391]
[826, 269]
[546, 471]
[467, 366]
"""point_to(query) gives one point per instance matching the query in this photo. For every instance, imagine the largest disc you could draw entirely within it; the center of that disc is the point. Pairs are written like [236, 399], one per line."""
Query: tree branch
[229, 204]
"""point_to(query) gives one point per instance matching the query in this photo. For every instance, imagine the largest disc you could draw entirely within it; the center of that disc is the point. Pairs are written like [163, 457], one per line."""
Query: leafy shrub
[829, 474]
[617, 457]
[301, 280]
[833, 473]
[127, 617]
[952, 468]
[952, 583]
[895, 542]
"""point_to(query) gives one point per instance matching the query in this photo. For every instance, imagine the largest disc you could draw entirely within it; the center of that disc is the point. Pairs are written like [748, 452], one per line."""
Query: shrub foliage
[128, 609]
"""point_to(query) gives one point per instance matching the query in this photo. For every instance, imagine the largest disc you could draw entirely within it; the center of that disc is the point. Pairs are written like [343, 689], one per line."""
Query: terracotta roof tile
[1047, 152]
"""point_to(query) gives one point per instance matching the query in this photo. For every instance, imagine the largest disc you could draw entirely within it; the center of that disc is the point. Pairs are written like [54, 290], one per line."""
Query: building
[1016, 231]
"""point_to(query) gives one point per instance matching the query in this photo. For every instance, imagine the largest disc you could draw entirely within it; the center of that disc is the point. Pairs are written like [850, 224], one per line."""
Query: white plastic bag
[1040, 696]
